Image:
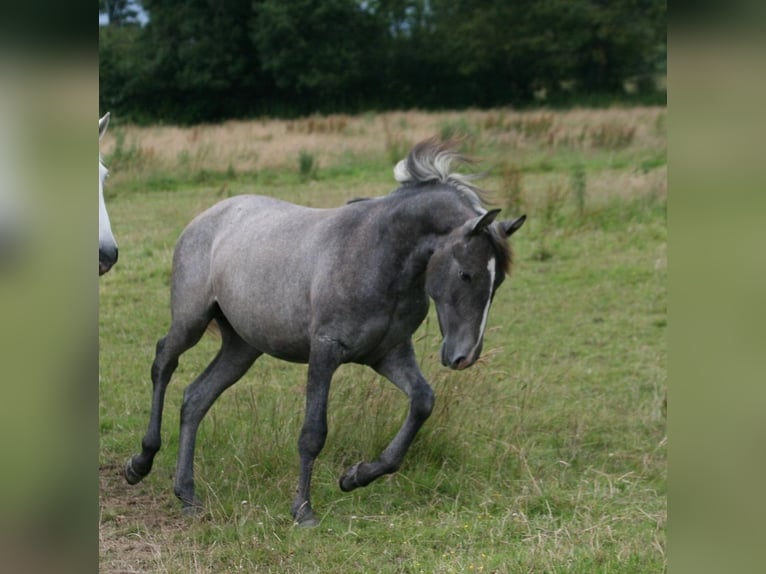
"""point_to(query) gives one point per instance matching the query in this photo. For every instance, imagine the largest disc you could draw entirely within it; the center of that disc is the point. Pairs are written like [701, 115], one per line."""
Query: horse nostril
[108, 254]
[458, 363]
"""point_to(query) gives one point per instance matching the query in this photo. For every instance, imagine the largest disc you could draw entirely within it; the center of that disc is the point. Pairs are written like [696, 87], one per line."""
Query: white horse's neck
[105, 236]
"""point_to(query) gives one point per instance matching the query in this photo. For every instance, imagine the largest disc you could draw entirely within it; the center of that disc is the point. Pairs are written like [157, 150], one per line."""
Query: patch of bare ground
[134, 527]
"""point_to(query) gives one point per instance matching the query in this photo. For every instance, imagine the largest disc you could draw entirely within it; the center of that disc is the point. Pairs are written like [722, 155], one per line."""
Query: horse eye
[464, 276]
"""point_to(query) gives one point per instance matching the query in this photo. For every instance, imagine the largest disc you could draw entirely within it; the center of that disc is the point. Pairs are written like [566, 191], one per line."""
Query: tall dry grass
[252, 145]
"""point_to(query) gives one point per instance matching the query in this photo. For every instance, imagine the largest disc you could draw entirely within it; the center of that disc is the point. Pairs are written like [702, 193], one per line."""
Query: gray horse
[327, 287]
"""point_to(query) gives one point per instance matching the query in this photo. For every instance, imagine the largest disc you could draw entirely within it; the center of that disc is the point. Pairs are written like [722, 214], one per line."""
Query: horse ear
[482, 222]
[102, 123]
[511, 227]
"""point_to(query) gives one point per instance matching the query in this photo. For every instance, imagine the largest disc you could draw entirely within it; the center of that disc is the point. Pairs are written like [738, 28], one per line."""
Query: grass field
[549, 455]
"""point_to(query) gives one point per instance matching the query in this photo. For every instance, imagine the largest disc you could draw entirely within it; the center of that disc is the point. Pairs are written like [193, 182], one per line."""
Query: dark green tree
[202, 65]
[206, 60]
[624, 40]
[119, 12]
[320, 55]
[121, 57]
[122, 71]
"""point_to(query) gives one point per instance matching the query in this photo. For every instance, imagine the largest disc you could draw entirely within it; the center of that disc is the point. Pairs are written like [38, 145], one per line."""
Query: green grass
[547, 456]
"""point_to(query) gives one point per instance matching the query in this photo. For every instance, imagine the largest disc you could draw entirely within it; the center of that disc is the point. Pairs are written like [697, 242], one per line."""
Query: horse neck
[419, 222]
[427, 212]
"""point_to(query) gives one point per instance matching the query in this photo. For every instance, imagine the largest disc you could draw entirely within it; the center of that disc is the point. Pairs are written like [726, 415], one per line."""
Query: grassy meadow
[549, 455]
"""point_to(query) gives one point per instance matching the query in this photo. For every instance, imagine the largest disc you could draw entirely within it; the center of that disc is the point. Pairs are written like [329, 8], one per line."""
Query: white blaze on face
[491, 269]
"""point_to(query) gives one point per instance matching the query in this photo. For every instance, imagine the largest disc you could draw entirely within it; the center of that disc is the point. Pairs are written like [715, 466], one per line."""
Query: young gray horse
[327, 287]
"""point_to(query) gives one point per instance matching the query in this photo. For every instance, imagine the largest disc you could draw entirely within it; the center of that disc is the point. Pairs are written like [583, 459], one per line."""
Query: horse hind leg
[232, 361]
[183, 335]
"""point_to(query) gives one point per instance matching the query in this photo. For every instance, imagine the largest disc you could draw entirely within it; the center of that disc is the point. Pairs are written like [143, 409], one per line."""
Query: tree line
[188, 61]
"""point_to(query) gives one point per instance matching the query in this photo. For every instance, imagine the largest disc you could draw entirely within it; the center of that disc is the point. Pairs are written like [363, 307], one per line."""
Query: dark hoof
[349, 480]
[308, 521]
[194, 510]
[304, 515]
[131, 475]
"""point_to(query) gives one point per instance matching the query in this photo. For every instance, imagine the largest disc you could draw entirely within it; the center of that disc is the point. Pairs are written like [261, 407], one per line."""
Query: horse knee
[311, 441]
[190, 407]
[163, 366]
[422, 403]
[160, 346]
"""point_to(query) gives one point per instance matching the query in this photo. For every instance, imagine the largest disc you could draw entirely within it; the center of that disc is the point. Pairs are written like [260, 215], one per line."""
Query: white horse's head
[107, 246]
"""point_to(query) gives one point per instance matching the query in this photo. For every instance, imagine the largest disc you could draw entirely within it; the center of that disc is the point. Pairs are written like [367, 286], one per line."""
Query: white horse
[107, 246]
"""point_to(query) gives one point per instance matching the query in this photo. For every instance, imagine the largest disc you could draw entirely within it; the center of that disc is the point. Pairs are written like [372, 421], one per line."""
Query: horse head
[462, 276]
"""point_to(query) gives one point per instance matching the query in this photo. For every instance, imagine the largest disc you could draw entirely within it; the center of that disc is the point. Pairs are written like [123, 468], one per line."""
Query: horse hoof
[348, 481]
[194, 510]
[131, 475]
[307, 522]
[303, 515]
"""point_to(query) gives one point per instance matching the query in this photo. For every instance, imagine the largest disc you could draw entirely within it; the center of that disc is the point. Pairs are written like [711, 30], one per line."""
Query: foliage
[307, 166]
[315, 52]
[119, 12]
[578, 185]
[198, 60]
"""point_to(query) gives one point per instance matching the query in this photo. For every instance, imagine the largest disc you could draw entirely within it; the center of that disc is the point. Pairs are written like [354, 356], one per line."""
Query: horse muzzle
[457, 359]
[107, 257]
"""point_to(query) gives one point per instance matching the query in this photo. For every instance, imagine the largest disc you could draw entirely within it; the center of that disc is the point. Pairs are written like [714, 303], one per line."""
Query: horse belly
[283, 337]
[270, 314]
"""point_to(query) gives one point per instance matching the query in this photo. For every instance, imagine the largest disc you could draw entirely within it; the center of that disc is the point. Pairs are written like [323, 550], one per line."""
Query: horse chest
[406, 316]
[410, 312]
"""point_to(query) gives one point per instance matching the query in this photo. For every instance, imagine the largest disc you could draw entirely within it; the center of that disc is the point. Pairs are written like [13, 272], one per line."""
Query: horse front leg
[401, 368]
[322, 365]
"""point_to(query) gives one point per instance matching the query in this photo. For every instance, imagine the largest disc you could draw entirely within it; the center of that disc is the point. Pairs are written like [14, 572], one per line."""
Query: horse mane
[430, 161]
